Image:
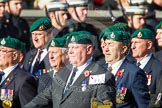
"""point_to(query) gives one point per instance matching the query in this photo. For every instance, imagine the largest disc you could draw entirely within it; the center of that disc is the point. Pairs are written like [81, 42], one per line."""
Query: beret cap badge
[73, 39]
[41, 27]
[52, 43]
[139, 35]
[3, 42]
[112, 35]
[161, 25]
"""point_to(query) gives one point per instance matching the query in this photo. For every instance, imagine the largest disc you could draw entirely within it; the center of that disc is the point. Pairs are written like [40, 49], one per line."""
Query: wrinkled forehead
[38, 31]
[109, 41]
[76, 45]
[54, 48]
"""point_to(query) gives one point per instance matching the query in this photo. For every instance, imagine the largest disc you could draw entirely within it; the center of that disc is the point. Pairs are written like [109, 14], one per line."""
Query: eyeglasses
[4, 51]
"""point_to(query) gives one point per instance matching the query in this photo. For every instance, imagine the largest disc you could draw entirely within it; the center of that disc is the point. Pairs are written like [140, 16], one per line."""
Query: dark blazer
[153, 68]
[23, 85]
[158, 55]
[156, 100]
[29, 60]
[21, 29]
[135, 81]
[76, 98]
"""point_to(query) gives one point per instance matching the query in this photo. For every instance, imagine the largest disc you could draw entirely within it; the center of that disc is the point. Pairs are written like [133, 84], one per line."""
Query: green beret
[13, 43]
[143, 34]
[77, 3]
[135, 10]
[115, 27]
[57, 42]
[120, 36]
[56, 6]
[107, 29]
[79, 37]
[159, 26]
[41, 24]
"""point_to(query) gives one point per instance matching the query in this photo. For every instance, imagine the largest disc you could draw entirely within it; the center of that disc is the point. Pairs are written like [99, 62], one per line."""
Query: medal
[121, 92]
[119, 101]
[158, 99]
[10, 94]
[3, 94]
[7, 104]
[84, 86]
[149, 79]
[42, 71]
[7, 98]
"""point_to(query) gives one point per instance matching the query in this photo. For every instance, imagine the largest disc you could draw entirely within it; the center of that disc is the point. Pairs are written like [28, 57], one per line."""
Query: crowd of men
[61, 61]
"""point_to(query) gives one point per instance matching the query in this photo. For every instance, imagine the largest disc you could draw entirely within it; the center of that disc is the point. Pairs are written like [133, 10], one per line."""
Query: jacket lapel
[148, 66]
[79, 80]
[31, 58]
[63, 76]
[9, 79]
[121, 69]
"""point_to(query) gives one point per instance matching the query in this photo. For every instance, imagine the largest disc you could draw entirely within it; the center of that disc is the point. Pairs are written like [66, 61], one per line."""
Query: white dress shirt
[7, 71]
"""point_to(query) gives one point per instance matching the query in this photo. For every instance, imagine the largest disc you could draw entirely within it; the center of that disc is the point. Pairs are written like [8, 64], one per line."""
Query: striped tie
[138, 64]
[71, 80]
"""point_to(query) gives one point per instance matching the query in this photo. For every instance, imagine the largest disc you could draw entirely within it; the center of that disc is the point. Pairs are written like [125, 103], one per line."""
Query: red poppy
[120, 73]
[86, 73]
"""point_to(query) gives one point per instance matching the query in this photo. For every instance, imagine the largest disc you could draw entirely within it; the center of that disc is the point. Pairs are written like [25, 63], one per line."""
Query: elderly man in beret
[41, 31]
[80, 81]
[142, 46]
[58, 59]
[131, 82]
[116, 27]
[17, 86]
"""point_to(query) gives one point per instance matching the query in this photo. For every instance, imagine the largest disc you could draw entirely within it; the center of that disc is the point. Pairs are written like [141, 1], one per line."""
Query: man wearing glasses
[17, 86]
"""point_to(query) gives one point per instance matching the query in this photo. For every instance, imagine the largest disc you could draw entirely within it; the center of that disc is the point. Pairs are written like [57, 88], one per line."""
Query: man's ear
[89, 49]
[149, 44]
[14, 55]
[124, 49]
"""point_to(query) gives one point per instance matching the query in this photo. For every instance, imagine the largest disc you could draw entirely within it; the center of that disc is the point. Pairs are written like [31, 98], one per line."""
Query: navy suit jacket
[23, 85]
[134, 79]
[158, 55]
[29, 60]
[153, 68]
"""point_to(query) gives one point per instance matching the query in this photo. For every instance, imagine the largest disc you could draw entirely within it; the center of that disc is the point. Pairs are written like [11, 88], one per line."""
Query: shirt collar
[85, 64]
[144, 61]
[116, 66]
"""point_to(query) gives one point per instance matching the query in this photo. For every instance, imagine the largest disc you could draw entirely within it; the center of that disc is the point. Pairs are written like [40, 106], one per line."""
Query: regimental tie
[70, 80]
[138, 64]
[109, 68]
[36, 65]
